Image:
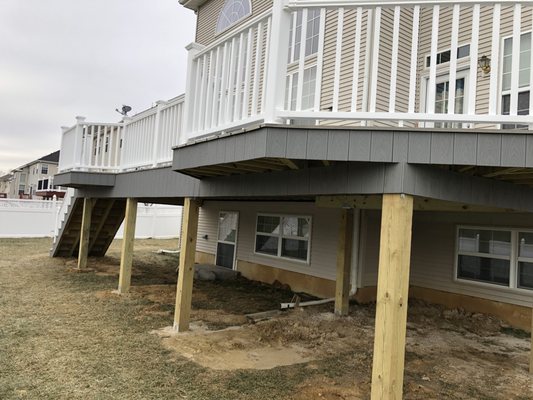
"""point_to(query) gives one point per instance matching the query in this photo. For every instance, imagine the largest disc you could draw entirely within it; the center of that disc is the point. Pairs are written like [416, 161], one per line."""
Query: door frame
[234, 266]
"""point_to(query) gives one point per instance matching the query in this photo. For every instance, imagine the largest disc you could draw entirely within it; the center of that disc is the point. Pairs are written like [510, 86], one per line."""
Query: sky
[63, 58]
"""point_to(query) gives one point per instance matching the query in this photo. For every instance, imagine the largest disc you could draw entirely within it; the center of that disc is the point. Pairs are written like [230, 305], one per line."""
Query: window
[232, 12]
[488, 256]
[44, 168]
[311, 37]
[308, 89]
[523, 78]
[284, 236]
[445, 56]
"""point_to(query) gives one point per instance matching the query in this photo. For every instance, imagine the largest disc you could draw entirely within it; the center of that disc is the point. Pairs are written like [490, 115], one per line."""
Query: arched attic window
[232, 12]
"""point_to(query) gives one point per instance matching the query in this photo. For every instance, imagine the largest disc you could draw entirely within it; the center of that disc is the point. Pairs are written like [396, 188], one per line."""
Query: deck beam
[186, 269]
[85, 231]
[126, 258]
[344, 265]
[392, 295]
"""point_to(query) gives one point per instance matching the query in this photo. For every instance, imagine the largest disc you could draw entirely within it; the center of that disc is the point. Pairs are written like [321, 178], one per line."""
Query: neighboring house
[356, 150]
[5, 185]
[35, 180]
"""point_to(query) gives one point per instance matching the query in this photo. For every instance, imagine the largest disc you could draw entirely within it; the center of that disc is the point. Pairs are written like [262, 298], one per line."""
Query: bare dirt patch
[68, 336]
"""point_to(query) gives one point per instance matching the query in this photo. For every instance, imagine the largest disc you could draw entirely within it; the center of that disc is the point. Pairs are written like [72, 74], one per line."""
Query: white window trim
[280, 237]
[443, 76]
[462, 60]
[234, 267]
[500, 73]
[513, 265]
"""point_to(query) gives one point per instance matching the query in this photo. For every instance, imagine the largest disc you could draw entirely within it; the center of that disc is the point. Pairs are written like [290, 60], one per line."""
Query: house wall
[208, 14]
[207, 17]
[324, 232]
[35, 174]
[433, 252]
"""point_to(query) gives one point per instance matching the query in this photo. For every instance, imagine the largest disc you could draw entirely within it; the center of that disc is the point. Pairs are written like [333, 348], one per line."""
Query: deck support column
[186, 268]
[344, 265]
[126, 258]
[531, 351]
[83, 251]
[392, 296]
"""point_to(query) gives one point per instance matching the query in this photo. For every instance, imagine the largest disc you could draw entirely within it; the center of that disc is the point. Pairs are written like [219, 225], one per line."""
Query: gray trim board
[78, 179]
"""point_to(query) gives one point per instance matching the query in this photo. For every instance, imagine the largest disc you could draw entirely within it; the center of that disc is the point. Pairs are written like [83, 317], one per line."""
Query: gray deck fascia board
[416, 146]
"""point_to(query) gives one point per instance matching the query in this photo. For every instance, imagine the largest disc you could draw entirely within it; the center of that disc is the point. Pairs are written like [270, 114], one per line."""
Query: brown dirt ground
[67, 336]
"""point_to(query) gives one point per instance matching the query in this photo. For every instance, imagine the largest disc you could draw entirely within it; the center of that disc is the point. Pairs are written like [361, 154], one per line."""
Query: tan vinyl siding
[433, 252]
[324, 232]
[207, 18]
[465, 36]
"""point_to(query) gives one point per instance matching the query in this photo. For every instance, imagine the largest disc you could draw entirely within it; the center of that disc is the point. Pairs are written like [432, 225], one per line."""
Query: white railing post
[158, 132]
[61, 165]
[125, 121]
[277, 61]
[190, 95]
[78, 141]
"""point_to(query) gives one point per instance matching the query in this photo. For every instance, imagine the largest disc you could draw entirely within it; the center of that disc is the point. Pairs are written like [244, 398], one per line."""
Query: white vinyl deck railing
[142, 141]
[410, 63]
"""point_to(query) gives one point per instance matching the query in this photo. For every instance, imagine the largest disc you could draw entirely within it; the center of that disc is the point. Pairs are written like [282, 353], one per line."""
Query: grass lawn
[63, 335]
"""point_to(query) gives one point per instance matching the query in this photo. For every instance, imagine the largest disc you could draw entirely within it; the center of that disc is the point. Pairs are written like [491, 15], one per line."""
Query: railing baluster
[320, 59]
[301, 61]
[221, 102]
[414, 60]
[474, 45]
[203, 94]
[216, 89]
[356, 58]
[368, 52]
[338, 59]
[247, 77]
[515, 68]
[197, 97]
[394, 58]
[239, 70]
[495, 57]
[266, 58]
[456, 16]
[257, 67]
[231, 82]
[431, 89]
[210, 90]
[375, 59]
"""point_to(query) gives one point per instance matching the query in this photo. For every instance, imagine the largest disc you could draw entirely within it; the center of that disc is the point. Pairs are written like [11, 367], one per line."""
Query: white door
[227, 239]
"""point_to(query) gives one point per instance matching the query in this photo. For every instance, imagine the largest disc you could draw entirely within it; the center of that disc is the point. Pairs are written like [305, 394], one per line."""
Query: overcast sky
[62, 58]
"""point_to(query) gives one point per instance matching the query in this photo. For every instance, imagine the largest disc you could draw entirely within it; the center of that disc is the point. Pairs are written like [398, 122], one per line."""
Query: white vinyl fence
[37, 218]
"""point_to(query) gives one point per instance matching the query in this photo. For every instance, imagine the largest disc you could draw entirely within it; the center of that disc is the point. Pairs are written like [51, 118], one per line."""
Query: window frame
[509, 91]
[513, 260]
[280, 237]
[230, 26]
[43, 166]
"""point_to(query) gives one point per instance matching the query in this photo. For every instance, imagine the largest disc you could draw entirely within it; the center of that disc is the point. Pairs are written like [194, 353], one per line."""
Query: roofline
[192, 4]
[41, 159]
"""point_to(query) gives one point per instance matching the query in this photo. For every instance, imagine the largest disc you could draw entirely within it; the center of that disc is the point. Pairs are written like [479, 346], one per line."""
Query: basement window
[283, 236]
[494, 256]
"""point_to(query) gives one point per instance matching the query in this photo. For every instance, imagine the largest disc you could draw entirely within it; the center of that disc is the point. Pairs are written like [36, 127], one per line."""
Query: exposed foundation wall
[433, 253]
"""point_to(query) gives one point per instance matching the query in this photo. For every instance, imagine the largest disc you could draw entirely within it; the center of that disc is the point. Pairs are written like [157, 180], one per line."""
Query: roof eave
[192, 4]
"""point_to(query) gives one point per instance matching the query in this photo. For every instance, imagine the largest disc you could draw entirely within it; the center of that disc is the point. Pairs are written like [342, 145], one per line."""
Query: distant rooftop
[50, 158]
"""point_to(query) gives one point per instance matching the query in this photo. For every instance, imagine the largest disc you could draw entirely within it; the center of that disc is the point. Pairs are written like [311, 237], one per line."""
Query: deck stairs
[107, 216]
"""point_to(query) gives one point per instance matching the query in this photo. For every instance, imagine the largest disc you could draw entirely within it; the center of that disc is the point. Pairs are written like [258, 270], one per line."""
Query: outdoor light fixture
[484, 64]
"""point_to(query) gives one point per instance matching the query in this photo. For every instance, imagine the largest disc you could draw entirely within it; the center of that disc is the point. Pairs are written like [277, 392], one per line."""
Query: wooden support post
[392, 295]
[531, 351]
[344, 264]
[126, 259]
[83, 251]
[186, 269]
